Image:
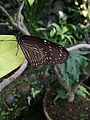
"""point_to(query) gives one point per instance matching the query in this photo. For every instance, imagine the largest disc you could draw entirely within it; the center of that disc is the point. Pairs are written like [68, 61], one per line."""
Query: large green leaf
[9, 61]
[74, 66]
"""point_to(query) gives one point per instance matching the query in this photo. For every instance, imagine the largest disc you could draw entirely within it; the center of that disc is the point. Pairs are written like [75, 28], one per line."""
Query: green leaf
[29, 100]
[74, 66]
[73, 27]
[31, 2]
[34, 92]
[69, 38]
[40, 29]
[61, 94]
[82, 91]
[2, 115]
[64, 29]
[55, 25]
[9, 61]
[52, 32]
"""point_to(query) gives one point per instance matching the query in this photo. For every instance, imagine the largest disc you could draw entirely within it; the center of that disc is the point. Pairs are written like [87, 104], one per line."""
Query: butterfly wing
[33, 54]
[41, 52]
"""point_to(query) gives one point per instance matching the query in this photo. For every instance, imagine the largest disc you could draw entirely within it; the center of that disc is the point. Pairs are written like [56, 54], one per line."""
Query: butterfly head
[18, 39]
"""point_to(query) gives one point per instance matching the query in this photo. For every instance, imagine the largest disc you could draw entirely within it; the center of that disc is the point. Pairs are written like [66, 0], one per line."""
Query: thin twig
[6, 13]
[21, 26]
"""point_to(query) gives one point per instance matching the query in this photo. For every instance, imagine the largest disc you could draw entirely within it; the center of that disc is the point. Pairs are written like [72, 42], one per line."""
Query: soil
[62, 110]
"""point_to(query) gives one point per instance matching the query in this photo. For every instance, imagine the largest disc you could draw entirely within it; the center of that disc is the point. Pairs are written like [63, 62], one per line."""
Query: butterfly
[40, 51]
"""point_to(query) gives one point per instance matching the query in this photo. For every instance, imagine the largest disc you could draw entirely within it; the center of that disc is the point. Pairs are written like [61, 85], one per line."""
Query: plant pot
[62, 110]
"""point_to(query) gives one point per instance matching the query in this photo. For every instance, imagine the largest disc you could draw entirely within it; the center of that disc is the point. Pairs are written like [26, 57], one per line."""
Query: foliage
[78, 10]
[39, 81]
[32, 14]
[21, 102]
[71, 71]
[34, 94]
[2, 115]
[31, 2]
[36, 88]
[74, 66]
[63, 33]
[61, 94]
[82, 91]
[11, 106]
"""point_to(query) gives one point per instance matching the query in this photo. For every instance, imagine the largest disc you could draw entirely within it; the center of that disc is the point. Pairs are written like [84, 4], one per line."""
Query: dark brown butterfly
[42, 52]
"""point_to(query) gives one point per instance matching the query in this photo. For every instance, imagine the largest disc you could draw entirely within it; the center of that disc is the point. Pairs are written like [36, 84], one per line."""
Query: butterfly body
[42, 52]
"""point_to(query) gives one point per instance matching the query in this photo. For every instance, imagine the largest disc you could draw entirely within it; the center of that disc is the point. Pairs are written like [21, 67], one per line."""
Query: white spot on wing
[45, 41]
